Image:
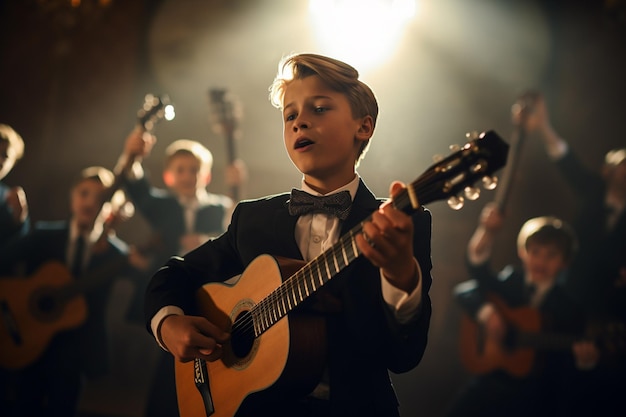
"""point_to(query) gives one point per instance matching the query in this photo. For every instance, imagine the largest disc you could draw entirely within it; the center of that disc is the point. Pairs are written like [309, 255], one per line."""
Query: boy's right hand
[139, 143]
[190, 337]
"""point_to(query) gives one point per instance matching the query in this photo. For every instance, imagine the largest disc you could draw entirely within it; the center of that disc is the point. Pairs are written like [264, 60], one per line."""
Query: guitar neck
[306, 281]
[504, 187]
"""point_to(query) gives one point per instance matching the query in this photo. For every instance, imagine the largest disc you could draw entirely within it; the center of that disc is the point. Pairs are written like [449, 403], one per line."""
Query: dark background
[72, 79]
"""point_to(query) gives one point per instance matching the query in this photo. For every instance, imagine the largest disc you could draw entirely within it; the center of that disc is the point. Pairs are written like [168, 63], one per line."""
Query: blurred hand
[491, 218]
[18, 205]
[139, 143]
[236, 173]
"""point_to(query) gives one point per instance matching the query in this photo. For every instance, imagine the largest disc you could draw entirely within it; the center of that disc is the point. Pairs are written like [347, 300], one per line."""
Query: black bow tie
[335, 204]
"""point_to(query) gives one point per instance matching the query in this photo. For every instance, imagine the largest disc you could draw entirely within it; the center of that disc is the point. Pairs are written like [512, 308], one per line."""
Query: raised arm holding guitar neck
[597, 278]
[523, 338]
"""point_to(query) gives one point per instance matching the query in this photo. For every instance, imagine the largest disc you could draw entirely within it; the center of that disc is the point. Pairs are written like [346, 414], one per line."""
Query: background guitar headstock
[224, 116]
[154, 109]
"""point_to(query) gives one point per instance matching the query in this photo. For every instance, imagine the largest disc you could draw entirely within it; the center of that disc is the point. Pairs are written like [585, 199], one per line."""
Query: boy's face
[542, 262]
[86, 202]
[183, 175]
[321, 136]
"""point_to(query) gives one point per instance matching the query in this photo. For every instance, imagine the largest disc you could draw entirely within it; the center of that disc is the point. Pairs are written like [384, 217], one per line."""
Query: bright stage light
[364, 33]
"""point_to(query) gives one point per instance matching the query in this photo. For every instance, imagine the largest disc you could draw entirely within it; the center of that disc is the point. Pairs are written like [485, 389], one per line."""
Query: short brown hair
[548, 230]
[189, 147]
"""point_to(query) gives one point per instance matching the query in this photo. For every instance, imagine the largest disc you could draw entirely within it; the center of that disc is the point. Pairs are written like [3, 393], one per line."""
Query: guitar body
[480, 354]
[286, 358]
[33, 310]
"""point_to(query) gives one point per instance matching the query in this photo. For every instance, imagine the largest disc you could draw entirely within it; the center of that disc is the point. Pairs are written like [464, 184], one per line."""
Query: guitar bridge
[202, 384]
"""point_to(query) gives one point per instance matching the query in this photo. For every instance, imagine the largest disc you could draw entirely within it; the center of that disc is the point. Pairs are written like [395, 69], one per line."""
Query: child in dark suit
[375, 313]
[50, 384]
[183, 216]
[498, 303]
[14, 218]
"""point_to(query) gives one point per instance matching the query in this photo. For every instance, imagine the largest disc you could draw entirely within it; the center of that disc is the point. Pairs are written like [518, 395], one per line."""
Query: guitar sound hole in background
[242, 336]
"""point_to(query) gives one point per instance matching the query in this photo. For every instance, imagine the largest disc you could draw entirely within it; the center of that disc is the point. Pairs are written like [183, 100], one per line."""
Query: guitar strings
[295, 289]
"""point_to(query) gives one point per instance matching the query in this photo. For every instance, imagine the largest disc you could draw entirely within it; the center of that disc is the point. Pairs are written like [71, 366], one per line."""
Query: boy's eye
[290, 117]
[320, 109]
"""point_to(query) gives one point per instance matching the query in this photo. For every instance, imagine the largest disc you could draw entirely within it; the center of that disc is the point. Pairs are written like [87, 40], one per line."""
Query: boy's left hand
[387, 241]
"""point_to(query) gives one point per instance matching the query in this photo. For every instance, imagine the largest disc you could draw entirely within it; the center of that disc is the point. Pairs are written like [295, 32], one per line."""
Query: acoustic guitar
[270, 351]
[34, 309]
[525, 337]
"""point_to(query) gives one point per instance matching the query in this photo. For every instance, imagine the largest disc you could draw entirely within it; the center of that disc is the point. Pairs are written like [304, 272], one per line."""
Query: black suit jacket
[365, 340]
[8, 228]
[595, 269]
[166, 215]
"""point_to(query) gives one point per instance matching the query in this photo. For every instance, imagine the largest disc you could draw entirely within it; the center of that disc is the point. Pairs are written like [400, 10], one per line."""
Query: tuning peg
[490, 183]
[168, 112]
[455, 148]
[472, 135]
[472, 193]
[456, 202]
[437, 157]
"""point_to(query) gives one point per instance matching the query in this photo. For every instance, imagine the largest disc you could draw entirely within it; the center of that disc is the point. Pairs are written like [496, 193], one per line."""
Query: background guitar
[266, 353]
[34, 309]
[525, 338]
[225, 115]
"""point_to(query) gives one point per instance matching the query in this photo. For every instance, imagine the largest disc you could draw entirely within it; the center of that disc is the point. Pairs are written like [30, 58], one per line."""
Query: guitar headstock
[454, 176]
[154, 109]
[225, 112]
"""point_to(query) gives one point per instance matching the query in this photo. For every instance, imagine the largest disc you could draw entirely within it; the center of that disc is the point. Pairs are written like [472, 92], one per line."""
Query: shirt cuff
[403, 304]
[157, 320]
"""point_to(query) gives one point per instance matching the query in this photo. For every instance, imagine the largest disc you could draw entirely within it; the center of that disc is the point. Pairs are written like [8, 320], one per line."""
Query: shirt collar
[351, 187]
[92, 236]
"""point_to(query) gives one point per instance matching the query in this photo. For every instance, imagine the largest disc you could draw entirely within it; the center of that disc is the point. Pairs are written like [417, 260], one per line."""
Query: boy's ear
[207, 178]
[366, 128]
[168, 178]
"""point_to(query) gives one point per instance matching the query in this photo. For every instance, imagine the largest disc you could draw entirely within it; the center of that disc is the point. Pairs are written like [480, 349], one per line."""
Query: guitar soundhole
[44, 304]
[242, 336]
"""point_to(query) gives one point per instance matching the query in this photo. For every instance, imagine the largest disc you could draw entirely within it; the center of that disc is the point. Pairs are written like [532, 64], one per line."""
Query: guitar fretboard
[305, 282]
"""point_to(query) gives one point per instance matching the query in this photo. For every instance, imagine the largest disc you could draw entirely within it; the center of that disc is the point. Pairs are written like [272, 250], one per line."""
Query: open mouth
[303, 142]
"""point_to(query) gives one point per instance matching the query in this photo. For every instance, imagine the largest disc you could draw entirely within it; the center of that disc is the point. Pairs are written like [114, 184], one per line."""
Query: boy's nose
[300, 124]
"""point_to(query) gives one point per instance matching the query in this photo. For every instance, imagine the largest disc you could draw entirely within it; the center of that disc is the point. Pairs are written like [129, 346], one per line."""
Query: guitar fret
[327, 268]
[299, 290]
[319, 274]
[282, 308]
[306, 288]
[344, 255]
[257, 324]
[355, 250]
